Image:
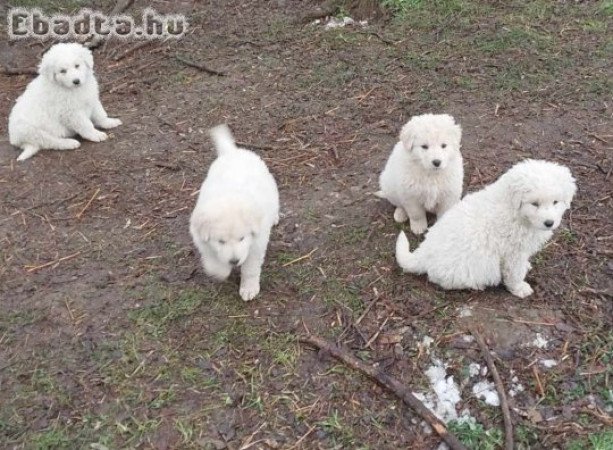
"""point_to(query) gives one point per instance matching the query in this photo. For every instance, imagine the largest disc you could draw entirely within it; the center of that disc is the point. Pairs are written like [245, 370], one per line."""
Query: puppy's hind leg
[101, 119]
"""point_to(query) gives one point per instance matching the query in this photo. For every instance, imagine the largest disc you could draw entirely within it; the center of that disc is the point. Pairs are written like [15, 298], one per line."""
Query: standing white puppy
[60, 103]
[237, 206]
[424, 173]
[489, 237]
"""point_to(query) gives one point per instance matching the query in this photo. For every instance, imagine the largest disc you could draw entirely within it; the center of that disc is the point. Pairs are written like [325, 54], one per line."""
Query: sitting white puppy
[424, 173]
[237, 206]
[489, 237]
[59, 104]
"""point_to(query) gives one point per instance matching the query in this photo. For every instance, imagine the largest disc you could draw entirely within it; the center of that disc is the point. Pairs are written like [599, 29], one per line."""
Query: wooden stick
[199, 66]
[51, 263]
[16, 71]
[132, 50]
[294, 261]
[78, 216]
[390, 383]
[504, 404]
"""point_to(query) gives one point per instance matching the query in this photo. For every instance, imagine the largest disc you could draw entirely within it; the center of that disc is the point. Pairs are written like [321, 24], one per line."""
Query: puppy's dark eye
[425, 147]
[443, 145]
[555, 202]
[63, 71]
[76, 66]
[222, 242]
[242, 238]
[535, 204]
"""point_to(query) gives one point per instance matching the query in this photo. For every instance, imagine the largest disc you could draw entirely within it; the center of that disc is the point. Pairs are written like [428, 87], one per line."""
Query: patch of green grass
[51, 439]
[526, 437]
[340, 433]
[283, 349]
[167, 308]
[446, 15]
[606, 7]
[595, 441]
[512, 38]
[475, 437]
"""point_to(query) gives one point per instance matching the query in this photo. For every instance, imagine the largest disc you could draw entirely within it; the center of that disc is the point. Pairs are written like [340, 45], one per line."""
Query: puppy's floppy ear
[456, 131]
[569, 185]
[200, 226]
[46, 68]
[518, 187]
[255, 223]
[88, 58]
[407, 134]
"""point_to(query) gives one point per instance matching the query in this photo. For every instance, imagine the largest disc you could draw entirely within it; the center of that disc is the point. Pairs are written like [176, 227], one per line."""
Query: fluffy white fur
[237, 206]
[424, 173]
[489, 237]
[60, 103]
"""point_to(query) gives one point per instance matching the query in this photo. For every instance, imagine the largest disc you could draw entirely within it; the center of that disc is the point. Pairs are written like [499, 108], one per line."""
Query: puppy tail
[223, 139]
[403, 254]
[379, 194]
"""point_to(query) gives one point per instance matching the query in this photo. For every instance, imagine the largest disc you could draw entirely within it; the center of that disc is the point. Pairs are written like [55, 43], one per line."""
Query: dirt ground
[112, 337]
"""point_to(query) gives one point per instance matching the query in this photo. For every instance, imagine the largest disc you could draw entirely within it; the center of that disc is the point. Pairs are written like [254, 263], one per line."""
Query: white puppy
[237, 206]
[59, 104]
[489, 237]
[424, 173]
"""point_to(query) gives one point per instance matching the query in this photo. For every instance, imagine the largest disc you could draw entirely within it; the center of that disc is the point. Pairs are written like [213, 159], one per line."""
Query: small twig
[78, 216]
[539, 385]
[132, 50]
[377, 333]
[199, 66]
[304, 436]
[293, 261]
[52, 263]
[504, 404]
[399, 389]
[248, 442]
[368, 308]
[374, 33]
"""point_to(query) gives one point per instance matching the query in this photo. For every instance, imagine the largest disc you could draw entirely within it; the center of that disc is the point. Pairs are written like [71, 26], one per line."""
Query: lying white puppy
[59, 104]
[489, 237]
[237, 206]
[424, 173]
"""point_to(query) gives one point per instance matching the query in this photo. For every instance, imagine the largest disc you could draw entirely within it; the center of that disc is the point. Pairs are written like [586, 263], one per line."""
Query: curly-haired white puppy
[424, 173]
[489, 236]
[237, 206]
[60, 103]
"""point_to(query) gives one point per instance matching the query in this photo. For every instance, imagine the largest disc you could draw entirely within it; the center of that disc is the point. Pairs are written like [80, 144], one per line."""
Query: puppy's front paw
[71, 144]
[400, 216]
[522, 290]
[109, 122]
[98, 136]
[419, 226]
[249, 289]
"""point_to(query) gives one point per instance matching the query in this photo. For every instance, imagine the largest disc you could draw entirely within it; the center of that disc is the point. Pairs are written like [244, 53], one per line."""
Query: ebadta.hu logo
[26, 23]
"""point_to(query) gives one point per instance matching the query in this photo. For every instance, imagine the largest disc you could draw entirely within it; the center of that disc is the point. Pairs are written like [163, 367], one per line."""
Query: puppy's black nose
[234, 261]
[436, 162]
[76, 81]
[548, 223]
